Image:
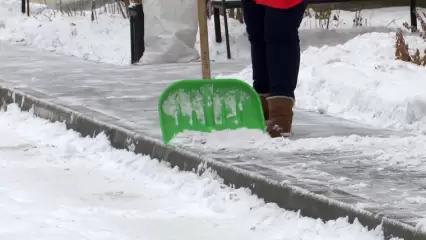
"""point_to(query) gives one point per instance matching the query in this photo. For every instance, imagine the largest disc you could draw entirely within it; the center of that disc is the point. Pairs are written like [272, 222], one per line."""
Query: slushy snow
[58, 185]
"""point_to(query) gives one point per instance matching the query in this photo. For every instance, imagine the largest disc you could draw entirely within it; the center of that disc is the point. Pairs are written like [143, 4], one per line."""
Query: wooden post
[204, 39]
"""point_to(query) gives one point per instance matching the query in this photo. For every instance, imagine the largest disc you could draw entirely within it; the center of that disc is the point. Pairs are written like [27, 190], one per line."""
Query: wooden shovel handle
[204, 39]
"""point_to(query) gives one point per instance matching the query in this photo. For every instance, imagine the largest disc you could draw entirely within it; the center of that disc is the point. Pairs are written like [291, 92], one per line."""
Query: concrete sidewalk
[127, 97]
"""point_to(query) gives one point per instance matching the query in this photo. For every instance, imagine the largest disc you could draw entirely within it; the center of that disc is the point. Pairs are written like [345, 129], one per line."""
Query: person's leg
[283, 61]
[254, 20]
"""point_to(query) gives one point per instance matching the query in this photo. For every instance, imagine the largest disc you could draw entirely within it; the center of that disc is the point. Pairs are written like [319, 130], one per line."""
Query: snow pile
[107, 39]
[421, 226]
[361, 80]
[340, 30]
[170, 35]
[100, 192]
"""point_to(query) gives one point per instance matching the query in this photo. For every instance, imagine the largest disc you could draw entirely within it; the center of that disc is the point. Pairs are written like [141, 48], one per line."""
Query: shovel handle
[204, 39]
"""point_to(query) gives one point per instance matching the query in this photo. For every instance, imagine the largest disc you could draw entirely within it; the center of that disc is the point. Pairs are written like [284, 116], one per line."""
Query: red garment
[282, 4]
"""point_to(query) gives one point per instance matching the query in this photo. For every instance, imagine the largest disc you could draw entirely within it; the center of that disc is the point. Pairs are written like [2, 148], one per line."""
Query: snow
[346, 71]
[311, 32]
[56, 184]
[421, 226]
[367, 84]
[394, 151]
[107, 38]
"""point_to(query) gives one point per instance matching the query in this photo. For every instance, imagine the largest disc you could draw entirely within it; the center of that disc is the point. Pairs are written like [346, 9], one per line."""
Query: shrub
[402, 50]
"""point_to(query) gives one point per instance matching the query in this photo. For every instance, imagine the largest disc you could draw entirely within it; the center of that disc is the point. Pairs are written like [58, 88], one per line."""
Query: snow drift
[171, 27]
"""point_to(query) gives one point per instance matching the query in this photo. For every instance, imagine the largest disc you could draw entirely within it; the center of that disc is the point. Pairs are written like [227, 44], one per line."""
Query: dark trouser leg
[283, 48]
[254, 15]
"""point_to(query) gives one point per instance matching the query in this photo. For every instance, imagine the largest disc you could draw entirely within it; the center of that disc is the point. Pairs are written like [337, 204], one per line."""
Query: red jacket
[282, 4]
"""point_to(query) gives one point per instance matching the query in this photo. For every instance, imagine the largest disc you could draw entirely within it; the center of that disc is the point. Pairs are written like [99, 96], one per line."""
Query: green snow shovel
[209, 105]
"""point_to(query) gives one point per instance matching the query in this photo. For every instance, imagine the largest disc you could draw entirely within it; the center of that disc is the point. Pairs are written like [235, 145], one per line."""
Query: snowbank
[361, 80]
[100, 192]
[107, 39]
[170, 34]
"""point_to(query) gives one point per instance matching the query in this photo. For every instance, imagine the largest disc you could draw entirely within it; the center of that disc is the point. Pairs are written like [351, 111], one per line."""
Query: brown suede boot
[264, 105]
[280, 116]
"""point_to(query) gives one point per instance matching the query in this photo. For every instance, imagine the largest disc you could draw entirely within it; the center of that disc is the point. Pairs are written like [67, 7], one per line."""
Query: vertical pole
[225, 20]
[28, 8]
[137, 28]
[217, 30]
[23, 6]
[140, 31]
[204, 39]
[132, 35]
[413, 15]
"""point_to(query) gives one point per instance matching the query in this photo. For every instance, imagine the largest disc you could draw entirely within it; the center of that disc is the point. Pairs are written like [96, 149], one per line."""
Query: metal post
[132, 36]
[23, 6]
[137, 28]
[28, 8]
[225, 20]
[413, 15]
[217, 30]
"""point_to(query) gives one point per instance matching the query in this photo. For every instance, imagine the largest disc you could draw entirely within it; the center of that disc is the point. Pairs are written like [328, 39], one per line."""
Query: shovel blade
[207, 106]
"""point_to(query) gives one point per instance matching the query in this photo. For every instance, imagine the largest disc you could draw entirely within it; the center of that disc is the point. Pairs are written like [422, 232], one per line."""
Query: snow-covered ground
[107, 39]
[347, 72]
[58, 185]
[358, 79]
[361, 80]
